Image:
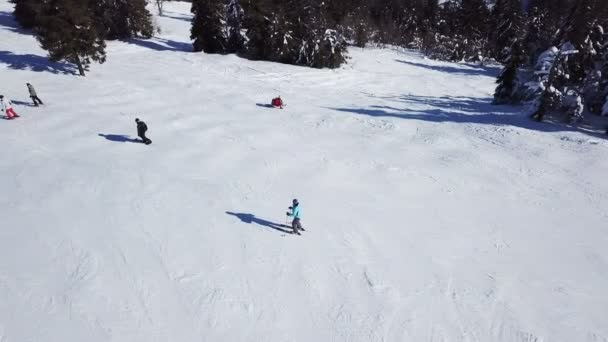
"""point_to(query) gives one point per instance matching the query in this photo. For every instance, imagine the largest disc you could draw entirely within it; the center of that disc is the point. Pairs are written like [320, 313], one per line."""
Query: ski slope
[431, 215]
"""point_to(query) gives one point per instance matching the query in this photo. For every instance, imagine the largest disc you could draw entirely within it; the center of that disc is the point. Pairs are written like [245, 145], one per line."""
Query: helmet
[136, 120]
[295, 202]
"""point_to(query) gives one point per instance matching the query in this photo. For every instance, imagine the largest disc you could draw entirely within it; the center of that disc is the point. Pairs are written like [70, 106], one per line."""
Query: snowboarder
[7, 106]
[142, 128]
[33, 95]
[277, 102]
[294, 211]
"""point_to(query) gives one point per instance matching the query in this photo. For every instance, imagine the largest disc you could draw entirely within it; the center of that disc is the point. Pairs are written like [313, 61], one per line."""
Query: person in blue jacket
[296, 213]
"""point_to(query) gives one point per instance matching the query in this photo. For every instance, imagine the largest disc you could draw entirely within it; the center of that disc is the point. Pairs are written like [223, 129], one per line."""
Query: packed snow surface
[430, 214]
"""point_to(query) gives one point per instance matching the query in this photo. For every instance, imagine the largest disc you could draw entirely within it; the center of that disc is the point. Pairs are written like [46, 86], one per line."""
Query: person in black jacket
[33, 95]
[142, 128]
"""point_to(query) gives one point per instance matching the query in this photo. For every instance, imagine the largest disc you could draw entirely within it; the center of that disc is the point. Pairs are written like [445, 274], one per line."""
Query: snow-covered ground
[431, 215]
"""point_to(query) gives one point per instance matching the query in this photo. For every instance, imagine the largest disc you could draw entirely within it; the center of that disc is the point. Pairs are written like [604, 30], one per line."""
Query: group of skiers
[6, 105]
[294, 211]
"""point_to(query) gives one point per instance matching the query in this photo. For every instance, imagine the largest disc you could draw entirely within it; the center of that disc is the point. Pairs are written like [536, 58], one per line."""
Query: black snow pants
[36, 99]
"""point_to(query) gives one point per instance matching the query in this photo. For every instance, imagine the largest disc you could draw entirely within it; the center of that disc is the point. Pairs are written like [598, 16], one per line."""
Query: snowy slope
[430, 214]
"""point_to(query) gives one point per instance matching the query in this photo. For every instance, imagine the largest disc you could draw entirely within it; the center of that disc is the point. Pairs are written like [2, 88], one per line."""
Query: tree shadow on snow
[457, 69]
[176, 16]
[250, 218]
[35, 63]
[465, 110]
[160, 44]
[7, 21]
[119, 138]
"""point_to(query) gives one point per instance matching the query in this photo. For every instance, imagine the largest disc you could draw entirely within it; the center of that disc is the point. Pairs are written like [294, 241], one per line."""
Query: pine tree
[360, 23]
[536, 40]
[138, 17]
[508, 82]
[304, 24]
[506, 28]
[122, 19]
[474, 26]
[26, 12]
[330, 51]
[66, 30]
[576, 30]
[596, 80]
[234, 25]
[259, 29]
[551, 96]
[319, 45]
[604, 78]
[430, 23]
[207, 29]
[282, 41]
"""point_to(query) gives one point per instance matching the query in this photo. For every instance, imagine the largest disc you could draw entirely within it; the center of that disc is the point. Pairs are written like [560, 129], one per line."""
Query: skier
[142, 128]
[277, 102]
[295, 212]
[7, 106]
[33, 95]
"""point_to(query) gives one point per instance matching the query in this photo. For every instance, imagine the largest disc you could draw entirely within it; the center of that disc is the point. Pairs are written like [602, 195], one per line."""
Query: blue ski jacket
[295, 212]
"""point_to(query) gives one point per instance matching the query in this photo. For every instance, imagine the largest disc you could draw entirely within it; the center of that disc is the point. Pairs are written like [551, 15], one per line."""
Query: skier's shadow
[21, 103]
[250, 218]
[265, 105]
[119, 138]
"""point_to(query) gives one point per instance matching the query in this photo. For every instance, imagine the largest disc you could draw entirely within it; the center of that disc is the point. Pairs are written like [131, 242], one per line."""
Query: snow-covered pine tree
[462, 31]
[506, 28]
[537, 36]
[330, 51]
[319, 45]
[576, 31]
[474, 26]
[447, 42]
[26, 12]
[283, 43]
[596, 80]
[508, 81]
[66, 30]
[306, 19]
[235, 41]
[544, 20]
[604, 78]
[552, 72]
[207, 30]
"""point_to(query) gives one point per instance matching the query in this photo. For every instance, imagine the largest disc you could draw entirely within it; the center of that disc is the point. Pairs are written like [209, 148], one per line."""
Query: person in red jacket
[7, 106]
[277, 102]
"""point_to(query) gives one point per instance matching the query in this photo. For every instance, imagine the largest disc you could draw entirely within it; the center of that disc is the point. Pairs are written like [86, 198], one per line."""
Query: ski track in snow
[431, 215]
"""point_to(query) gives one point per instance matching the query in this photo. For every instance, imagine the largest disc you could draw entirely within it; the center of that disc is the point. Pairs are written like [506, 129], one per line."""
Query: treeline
[556, 58]
[76, 30]
[299, 32]
[555, 52]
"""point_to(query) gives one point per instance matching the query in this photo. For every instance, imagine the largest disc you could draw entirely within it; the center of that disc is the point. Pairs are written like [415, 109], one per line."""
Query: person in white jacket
[7, 106]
